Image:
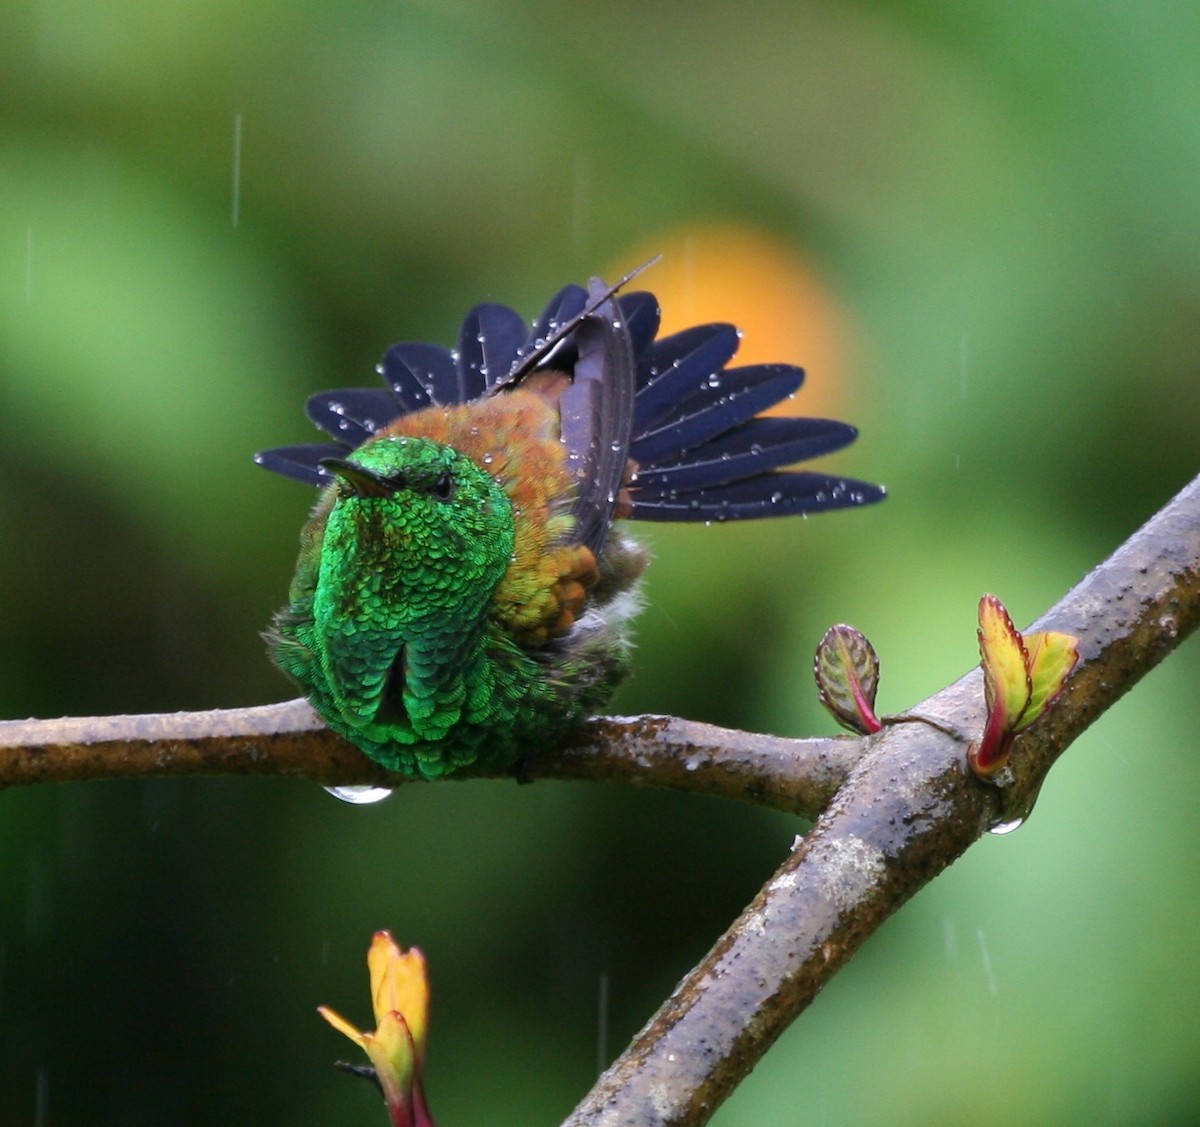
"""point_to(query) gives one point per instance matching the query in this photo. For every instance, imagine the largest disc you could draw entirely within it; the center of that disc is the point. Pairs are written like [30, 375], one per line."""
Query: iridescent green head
[398, 478]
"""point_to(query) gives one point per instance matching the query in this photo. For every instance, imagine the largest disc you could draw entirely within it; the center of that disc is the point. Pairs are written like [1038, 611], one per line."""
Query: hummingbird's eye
[443, 488]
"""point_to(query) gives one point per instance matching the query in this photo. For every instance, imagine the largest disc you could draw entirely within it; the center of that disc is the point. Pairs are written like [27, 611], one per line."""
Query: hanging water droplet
[1016, 812]
[360, 795]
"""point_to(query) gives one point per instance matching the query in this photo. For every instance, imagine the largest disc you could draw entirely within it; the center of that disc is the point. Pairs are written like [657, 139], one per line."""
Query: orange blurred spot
[725, 272]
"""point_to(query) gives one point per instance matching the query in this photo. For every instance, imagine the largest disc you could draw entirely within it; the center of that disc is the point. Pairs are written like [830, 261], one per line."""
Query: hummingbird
[465, 584]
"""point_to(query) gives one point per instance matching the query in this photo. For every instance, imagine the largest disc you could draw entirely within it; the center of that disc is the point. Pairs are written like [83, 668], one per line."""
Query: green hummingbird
[464, 588]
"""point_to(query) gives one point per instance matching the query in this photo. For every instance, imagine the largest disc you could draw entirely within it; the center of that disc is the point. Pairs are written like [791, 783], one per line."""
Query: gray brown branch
[907, 810]
[289, 739]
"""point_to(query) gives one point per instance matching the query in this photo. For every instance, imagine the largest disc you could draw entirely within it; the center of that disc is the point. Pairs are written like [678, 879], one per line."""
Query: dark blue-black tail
[701, 451]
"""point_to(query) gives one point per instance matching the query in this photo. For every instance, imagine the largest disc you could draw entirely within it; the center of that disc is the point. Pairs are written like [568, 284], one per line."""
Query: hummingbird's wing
[596, 413]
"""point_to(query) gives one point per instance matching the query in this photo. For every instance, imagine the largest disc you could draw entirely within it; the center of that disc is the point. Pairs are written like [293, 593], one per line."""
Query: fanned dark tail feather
[672, 369]
[764, 495]
[420, 375]
[689, 423]
[488, 344]
[301, 463]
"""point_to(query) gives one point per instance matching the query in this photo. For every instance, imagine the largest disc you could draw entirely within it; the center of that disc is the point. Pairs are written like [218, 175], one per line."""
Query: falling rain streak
[602, 1025]
[42, 1099]
[28, 265]
[236, 204]
[988, 973]
[950, 937]
[581, 202]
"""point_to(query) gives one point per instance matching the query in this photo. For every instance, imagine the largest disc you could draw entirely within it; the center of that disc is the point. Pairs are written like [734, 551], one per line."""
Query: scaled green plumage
[389, 623]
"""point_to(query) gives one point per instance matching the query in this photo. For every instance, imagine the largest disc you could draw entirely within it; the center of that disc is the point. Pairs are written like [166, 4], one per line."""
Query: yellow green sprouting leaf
[1021, 678]
[1006, 681]
[1052, 656]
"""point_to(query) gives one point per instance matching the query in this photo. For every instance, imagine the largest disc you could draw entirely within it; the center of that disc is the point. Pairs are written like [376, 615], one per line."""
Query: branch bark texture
[289, 739]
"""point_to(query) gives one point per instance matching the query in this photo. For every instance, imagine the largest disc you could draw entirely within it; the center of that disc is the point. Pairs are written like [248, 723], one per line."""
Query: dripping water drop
[360, 795]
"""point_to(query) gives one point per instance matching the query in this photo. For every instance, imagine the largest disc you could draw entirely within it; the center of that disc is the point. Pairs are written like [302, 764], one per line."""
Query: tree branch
[908, 809]
[800, 776]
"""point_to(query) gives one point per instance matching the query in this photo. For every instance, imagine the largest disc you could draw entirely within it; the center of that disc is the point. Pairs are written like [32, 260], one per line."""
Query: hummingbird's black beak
[363, 482]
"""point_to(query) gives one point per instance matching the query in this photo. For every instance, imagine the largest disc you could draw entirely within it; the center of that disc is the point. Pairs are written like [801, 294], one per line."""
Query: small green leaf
[846, 668]
[1006, 683]
[1052, 656]
[1021, 678]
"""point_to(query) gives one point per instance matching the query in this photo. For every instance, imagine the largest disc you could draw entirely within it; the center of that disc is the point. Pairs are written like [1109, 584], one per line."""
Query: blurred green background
[209, 210]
